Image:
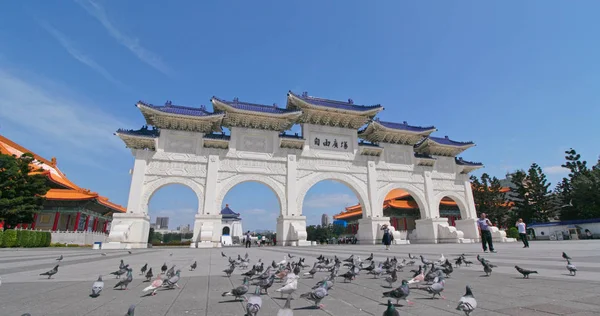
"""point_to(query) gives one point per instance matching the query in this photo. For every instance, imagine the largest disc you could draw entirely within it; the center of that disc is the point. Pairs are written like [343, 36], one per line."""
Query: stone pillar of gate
[207, 224]
[468, 224]
[427, 228]
[291, 225]
[131, 229]
[369, 227]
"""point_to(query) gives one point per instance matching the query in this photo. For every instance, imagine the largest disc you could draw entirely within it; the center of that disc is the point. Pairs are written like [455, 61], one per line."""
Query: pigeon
[565, 256]
[393, 277]
[51, 272]
[348, 276]
[97, 287]
[487, 268]
[122, 264]
[290, 256]
[239, 291]
[411, 256]
[436, 288]
[149, 275]
[172, 281]
[391, 310]
[400, 293]
[223, 255]
[193, 266]
[229, 270]
[144, 268]
[467, 303]
[289, 288]
[316, 295]
[312, 271]
[125, 282]
[120, 272]
[525, 272]
[171, 272]
[156, 284]
[572, 268]
[103, 254]
[164, 268]
[286, 310]
[254, 303]
[130, 311]
[370, 258]
[59, 258]
[265, 284]
[129, 251]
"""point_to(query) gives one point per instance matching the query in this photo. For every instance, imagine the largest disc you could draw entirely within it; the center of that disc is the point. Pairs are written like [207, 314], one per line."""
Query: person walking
[248, 240]
[522, 232]
[387, 239]
[486, 235]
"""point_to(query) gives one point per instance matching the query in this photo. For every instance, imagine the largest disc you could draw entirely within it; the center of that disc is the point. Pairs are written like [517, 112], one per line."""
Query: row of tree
[324, 233]
[577, 196]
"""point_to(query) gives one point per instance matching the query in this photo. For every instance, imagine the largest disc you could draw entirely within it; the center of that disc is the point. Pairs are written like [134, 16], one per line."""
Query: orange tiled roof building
[68, 207]
[403, 211]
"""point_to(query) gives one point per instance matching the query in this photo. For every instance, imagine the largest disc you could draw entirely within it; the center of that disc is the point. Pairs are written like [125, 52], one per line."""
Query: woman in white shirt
[522, 232]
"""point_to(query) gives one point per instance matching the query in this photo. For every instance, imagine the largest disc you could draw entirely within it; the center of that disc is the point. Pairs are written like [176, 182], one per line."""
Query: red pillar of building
[105, 225]
[34, 220]
[56, 218]
[87, 221]
[95, 224]
[405, 224]
[77, 218]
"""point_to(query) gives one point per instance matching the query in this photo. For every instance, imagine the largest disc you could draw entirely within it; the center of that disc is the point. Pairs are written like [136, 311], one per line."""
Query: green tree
[579, 193]
[531, 195]
[489, 198]
[21, 194]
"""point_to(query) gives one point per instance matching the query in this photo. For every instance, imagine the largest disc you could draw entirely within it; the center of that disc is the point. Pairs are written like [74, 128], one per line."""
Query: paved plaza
[551, 292]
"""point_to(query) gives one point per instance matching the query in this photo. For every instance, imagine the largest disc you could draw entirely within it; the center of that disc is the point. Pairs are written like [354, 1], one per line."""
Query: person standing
[387, 240]
[248, 240]
[522, 232]
[486, 235]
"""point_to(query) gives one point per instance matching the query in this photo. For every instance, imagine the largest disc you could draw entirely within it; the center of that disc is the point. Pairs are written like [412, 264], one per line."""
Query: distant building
[231, 226]
[324, 220]
[162, 223]
[184, 228]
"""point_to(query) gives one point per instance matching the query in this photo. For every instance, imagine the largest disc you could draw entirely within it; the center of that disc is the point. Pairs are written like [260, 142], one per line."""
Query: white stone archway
[416, 193]
[459, 199]
[152, 187]
[275, 186]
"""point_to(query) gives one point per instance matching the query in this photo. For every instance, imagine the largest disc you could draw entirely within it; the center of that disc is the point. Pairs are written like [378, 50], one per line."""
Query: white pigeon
[97, 287]
[467, 303]
[442, 259]
[282, 262]
[154, 286]
[286, 310]
[254, 303]
[289, 288]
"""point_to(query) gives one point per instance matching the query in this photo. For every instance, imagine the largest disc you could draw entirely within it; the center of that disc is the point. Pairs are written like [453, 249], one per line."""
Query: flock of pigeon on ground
[430, 276]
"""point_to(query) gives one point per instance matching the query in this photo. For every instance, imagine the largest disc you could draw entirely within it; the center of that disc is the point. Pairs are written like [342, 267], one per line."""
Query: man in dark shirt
[484, 225]
[248, 240]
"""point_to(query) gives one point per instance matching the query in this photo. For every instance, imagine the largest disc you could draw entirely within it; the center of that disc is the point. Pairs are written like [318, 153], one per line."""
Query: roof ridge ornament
[350, 101]
[168, 103]
[236, 100]
[202, 107]
[305, 94]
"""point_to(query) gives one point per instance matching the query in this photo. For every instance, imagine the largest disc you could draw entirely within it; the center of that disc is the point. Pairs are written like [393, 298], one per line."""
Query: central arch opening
[249, 206]
[332, 211]
[171, 209]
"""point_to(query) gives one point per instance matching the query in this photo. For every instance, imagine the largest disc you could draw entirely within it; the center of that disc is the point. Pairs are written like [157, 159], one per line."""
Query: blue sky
[518, 78]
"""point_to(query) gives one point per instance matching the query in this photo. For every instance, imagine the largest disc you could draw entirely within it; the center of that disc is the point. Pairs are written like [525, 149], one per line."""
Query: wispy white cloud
[133, 44]
[55, 115]
[555, 170]
[330, 200]
[78, 55]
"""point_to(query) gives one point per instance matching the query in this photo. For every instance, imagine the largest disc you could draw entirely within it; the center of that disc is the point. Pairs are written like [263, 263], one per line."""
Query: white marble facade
[257, 155]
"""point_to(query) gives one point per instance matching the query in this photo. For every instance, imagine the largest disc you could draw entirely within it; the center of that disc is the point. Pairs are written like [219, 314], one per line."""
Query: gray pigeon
[97, 287]
[130, 311]
[436, 288]
[254, 303]
[316, 295]
[400, 293]
[172, 281]
[287, 309]
[467, 303]
[126, 281]
[239, 291]
[59, 258]
[51, 272]
[391, 310]
[571, 267]
[487, 268]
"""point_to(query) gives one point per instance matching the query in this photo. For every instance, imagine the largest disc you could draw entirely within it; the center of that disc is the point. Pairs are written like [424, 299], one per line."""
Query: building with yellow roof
[67, 207]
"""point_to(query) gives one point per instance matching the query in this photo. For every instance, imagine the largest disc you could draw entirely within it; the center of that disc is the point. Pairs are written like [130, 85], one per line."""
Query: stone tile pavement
[551, 292]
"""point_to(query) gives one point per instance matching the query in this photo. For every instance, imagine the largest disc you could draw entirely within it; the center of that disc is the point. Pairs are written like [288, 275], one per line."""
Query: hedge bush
[36, 237]
[48, 239]
[10, 238]
[1, 233]
[512, 232]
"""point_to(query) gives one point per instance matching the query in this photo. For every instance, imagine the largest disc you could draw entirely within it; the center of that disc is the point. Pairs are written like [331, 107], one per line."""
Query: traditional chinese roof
[66, 190]
[441, 146]
[369, 149]
[395, 133]
[424, 160]
[143, 138]
[291, 141]
[183, 118]
[331, 112]
[216, 141]
[228, 213]
[251, 115]
[467, 166]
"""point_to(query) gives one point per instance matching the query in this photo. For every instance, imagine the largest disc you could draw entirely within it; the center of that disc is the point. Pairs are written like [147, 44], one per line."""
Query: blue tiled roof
[404, 126]
[426, 156]
[180, 110]
[144, 131]
[228, 212]
[349, 105]
[448, 141]
[271, 109]
[462, 162]
[364, 143]
[217, 136]
[295, 136]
